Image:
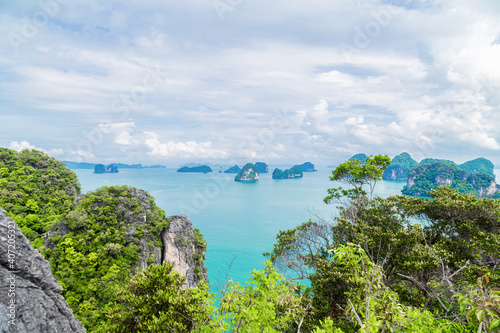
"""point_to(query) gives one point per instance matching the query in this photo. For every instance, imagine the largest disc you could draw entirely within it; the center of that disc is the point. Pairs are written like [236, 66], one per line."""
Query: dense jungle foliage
[110, 231]
[400, 263]
[427, 177]
[36, 191]
[94, 242]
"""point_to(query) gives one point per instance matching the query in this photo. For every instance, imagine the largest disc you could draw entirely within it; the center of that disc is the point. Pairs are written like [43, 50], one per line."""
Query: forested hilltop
[400, 263]
[475, 177]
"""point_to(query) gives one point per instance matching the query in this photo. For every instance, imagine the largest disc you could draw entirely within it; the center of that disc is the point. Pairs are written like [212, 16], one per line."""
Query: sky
[236, 81]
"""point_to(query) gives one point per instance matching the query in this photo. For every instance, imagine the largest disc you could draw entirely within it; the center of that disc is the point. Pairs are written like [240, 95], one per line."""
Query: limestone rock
[39, 306]
[249, 173]
[184, 247]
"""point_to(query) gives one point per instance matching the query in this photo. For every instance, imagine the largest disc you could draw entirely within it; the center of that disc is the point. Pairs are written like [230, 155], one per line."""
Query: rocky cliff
[27, 280]
[249, 173]
[109, 236]
[184, 247]
[154, 238]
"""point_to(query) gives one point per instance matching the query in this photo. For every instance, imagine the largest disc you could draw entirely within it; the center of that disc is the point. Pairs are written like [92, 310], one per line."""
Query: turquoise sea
[238, 220]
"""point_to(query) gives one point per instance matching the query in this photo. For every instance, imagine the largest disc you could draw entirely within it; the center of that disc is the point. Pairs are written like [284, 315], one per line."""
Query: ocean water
[239, 221]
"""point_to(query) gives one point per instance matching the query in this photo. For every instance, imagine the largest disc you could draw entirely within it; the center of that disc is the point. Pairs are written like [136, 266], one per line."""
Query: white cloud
[120, 131]
[428, 78]
[21, 145]
[189, 149]
[81, 156]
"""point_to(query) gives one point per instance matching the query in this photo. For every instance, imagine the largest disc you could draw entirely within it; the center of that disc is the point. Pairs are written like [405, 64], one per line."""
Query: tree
[357, 174]
[155, 301]
[424, 250]
[269, 303]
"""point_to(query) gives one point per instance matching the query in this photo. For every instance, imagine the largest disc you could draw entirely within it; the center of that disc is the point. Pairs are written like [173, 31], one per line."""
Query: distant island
[429, 176]
[360, 157]
[101, 168]
[475, 177]
[84, 165]
[201, 168]
[233, 169]
[249, 173]
[307, 167]
[293, 172]
[398, 169]
[262, 167]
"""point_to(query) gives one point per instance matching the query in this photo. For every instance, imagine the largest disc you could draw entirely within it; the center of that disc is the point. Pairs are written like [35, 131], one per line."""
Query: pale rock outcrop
[184, 247]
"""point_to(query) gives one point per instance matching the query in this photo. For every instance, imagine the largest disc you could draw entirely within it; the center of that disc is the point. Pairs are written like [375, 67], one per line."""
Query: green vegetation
[360, 157]
[414, 266]
[36, 191]
[293, 172]
[400, 263]
[110, 231]
[261, 167]
[233, 169]
[357, 174]
[307, 167]
[428, 177]
[101, 168]
[481, 165]
[399, 167]
[248, 173]
[155, 301]
[278, 174]
[94, 242]
[202, 168]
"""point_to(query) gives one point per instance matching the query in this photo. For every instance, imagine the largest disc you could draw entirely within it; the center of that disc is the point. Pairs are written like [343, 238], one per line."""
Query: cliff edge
[184, 247]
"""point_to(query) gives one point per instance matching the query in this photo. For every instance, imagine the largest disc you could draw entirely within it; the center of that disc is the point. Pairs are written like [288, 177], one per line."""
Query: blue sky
[169, 82]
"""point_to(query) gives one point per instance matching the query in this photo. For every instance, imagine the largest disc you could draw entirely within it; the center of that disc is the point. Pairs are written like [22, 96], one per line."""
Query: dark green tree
[156, 301]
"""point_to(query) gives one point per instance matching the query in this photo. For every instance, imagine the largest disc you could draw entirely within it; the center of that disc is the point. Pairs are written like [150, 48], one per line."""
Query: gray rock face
[39, 306]
[184, 247]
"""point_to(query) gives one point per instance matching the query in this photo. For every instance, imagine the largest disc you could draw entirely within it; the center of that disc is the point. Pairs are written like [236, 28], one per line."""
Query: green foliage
[269, 303]
[427, 177]
[199, 242]
[155, 301]
[399, 167]
[94, 261]
[357, 174]
[293, 172]
[360, 157]
[482, 305]
[36, 191]
[233, 169]
[250, 171]
[412, 255]
[278, 174]
[201, 168]
[99, 168]
[480, 165]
